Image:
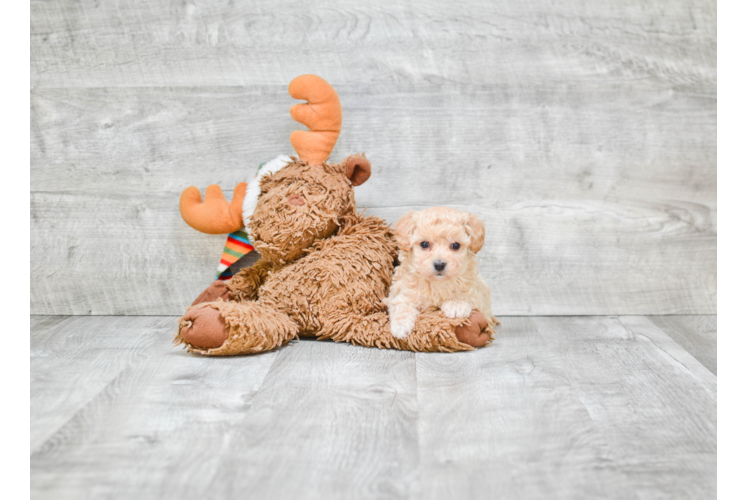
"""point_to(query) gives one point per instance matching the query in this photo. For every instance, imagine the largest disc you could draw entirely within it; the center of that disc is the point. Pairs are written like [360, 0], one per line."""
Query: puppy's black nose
[439, 265]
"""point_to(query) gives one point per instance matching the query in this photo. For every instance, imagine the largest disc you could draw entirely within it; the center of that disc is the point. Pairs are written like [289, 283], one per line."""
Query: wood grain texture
[653, 402]
[506, 422]
[172, 43]
[584, 134]
[155, 430]
[563, 238]
[331, 421]
[581, 407]
[74, 359]
[696, 334]
[141, 264]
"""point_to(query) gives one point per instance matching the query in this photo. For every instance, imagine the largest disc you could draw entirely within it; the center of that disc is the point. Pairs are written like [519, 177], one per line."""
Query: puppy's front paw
[456, 309]
[401, 329]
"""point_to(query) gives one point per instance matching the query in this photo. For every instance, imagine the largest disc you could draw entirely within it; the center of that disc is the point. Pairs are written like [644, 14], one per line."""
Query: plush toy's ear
[404, 231]
[357, 169]
[477, 232]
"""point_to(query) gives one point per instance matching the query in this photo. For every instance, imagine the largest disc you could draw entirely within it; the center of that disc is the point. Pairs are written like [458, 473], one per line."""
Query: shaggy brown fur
[325, 269]
[324, 272]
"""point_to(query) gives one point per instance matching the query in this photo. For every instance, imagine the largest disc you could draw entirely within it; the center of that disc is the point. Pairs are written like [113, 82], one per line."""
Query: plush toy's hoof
[473, 333]
[216, 290]
[204, 327]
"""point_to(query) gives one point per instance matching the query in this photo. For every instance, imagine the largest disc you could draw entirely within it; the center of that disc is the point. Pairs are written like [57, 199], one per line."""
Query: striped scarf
[237, 246]
[238, 243]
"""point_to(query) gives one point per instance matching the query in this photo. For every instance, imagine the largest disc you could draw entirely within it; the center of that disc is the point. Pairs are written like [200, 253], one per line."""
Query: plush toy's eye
[424, 244]
[455, 246]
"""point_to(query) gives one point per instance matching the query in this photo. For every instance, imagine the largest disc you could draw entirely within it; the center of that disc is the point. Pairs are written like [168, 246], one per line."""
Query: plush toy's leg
[433, 332]
[216, 290]
[475, 333]
[224, 328]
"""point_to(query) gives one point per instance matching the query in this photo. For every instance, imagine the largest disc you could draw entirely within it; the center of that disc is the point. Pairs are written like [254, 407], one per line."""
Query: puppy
[438, 267]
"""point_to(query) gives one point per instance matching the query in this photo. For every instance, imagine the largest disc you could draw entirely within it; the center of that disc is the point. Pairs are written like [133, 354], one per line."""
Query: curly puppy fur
[438, 268]
[324, 273]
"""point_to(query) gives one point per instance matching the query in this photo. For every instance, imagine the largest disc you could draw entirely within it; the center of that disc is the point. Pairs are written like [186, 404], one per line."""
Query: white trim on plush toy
[253, 188]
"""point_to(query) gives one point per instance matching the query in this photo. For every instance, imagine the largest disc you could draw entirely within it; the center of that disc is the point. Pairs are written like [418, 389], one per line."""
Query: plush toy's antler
[322, 114]
[215, 215]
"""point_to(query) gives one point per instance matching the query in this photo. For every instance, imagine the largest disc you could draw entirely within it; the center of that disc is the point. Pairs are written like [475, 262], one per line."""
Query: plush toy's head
[302, 203]
[295, 201]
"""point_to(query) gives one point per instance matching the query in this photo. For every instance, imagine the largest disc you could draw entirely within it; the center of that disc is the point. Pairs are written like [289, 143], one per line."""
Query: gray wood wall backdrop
[582, 132]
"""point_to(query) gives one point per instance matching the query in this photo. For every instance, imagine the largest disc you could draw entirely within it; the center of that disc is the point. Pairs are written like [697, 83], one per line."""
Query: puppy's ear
[404, 231]
[477, 232]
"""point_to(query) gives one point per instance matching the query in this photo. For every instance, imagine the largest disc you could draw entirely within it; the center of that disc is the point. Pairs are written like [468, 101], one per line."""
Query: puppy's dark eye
[455, 246]
[424, 244]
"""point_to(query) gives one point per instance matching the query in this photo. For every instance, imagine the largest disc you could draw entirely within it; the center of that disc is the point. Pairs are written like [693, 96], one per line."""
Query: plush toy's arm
[245, 284]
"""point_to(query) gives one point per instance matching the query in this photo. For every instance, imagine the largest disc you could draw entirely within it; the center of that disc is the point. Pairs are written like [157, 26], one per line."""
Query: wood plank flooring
[558, 407]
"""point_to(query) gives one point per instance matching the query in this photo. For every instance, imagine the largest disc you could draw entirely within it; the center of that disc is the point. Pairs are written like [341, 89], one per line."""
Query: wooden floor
[558, 407]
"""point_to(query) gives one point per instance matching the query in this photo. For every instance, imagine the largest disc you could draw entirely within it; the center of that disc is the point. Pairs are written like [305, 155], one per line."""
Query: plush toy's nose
[439, 265]
[296, 200]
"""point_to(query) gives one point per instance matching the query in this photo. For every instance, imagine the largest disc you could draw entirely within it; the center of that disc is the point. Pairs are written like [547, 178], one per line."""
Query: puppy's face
[439, 243]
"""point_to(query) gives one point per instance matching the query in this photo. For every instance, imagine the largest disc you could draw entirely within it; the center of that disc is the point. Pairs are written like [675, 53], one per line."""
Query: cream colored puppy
[438, 267]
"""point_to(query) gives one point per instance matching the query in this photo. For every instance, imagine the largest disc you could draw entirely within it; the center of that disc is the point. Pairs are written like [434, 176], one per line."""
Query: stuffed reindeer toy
[324, 268]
